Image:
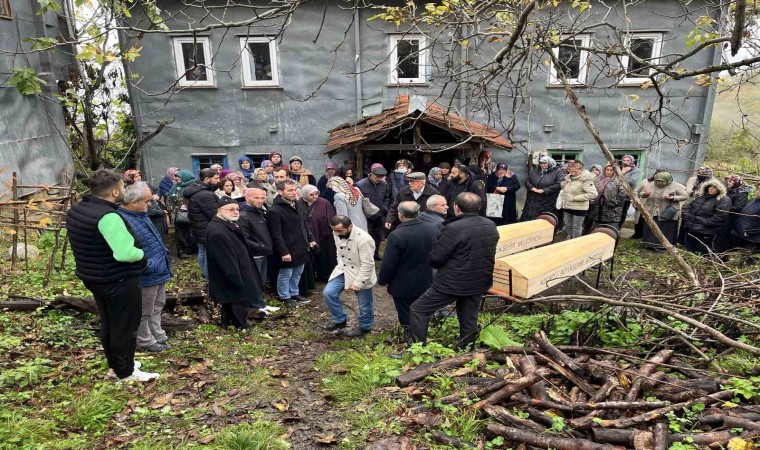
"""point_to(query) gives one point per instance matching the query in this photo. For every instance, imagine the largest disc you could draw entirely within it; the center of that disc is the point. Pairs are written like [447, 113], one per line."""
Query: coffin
[521, 236]
[536, 270]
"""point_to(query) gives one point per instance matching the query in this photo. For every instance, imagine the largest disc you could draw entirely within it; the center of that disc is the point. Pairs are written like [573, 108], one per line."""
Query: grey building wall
[32, 132]
[233, 120]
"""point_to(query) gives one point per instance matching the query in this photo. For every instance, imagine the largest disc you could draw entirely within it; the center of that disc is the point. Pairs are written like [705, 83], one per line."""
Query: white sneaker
[112, 374]
[270, 308]
[139, 375]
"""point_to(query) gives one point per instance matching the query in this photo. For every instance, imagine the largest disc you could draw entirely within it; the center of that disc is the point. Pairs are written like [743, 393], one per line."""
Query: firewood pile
[577, 398]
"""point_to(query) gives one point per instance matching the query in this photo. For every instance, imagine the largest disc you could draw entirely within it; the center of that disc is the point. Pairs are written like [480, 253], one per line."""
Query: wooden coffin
[536, 270]
[521, 236]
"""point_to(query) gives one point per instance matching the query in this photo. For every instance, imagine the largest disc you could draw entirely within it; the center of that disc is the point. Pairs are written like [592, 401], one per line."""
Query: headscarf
[664, 176]
[597, 166]
[656, 171]
[232, 176]
[307, 190]
[708, 174]
[266, 163]
[255, 176]
[249, 172]
[171, 171]
[224, 172]
[504, 166]
[548, 160]
[129, 176]
[605, 179]
[186, 179]
[405, 162]
[431, 176]
[339, 184]
[276, 153]
[738, 181]
[330, 165]
[633, 159]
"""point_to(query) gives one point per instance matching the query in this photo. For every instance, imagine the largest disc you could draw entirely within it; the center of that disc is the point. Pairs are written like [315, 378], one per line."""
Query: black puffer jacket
[707, 213]
[465, 255]
[201, 208]
[290, 232]
[453, 189]
[254, 225]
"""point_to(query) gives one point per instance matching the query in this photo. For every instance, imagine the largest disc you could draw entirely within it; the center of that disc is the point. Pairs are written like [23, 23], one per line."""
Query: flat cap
[225, 200]
[380, 171]
[416, 176]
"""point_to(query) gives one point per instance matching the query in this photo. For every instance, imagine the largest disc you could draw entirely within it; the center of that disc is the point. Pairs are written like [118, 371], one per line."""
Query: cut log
[517, 237]
[443, 438]
[575, 379]
[513, 387]
[425, 370]
[625, 437]
[687, 369]
[660, 436]
[729, 421]
[646, 371]
[527, 364]
[80, 303]
[545, 440]
[681, 390]
[571, 349]
[502, 415]
[651, 416]
[536, 270]
[558, 355]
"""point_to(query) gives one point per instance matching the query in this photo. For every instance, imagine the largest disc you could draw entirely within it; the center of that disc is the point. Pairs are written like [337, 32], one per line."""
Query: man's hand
[312, 244]
[353, 288]
[539, 191]
[286, 258]
[501, 190]
[388, 225]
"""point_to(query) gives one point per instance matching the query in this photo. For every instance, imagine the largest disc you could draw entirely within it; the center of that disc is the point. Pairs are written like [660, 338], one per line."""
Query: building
[316, 88]
[33, 140]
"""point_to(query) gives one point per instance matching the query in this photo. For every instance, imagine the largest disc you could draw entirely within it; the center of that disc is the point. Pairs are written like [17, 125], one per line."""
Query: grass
[353, 374]
[259, 435]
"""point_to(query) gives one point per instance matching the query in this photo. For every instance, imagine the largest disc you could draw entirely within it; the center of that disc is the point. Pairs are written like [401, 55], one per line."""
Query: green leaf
[496, 338]
[26, 81]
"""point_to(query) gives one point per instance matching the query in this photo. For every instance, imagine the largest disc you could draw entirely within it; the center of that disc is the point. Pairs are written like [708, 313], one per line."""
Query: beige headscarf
[338, 184]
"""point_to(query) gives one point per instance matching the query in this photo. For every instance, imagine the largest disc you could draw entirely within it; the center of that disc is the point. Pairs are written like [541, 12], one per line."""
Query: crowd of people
[278, 230]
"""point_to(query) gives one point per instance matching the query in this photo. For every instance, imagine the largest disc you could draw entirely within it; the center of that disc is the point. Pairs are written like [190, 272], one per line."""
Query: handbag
[182, 218]
[494, 205]
[369, 208]
[669, 213]
[558, 204]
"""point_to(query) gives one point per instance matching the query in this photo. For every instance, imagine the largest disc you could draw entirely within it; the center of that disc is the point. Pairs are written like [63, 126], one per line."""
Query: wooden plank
[536, 270]
[521, 236]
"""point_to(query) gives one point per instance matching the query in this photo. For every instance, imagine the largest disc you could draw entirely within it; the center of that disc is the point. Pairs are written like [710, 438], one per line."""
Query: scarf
[338, 184]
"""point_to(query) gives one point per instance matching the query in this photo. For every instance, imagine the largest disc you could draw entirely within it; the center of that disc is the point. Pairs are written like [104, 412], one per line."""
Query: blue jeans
[202, 261]
[287, 281]
[261, 264]
[332, 292]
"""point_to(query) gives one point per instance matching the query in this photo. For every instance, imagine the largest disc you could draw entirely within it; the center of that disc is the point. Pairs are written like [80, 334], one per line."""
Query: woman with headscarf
[183, 236]
[167, 182]
[260, 180]
[484, 163]
[705, 217]
[638, 232]
[607, 207]
[664, 197]
[596, 169]
[299, 173]
[276, 159]
[348, 202]
[397, 178]
[331, 169]
[503, 181]
[435, 178]
[268, 167]
[246, 168]
[319, 212]
[543, 185]
[738, 192]
[631, 173]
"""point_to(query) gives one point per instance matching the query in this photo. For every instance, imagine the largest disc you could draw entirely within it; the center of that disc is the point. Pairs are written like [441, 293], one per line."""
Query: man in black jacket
[254, 225]
[464, 256]
[405, 269]
[417, 191]
[379, 194]
[109, 261]
[462, 180]
[233, 279]
[201, 208]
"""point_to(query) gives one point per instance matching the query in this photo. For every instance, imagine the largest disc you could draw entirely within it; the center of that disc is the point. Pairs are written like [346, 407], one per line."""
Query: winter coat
[290, 232]
[254, 225]
[748, 222]
[632, 177]
[453, 189]
[201, 208]
[356, 259]
[379, 194]
[159, 264]
[578, 192]
[354, 212]
[434, 218]
[158, 217]
[739, 199]
[267, 187]
[405, 195]
[465, 255]
[509, 213]
[607, 207]
[324, 191]
[405, 268]
[551, 182]
[164, 186]
[693, 187]
[397, 181]
[660, 198]
[232, 275]
[319, 214]
[707, 213]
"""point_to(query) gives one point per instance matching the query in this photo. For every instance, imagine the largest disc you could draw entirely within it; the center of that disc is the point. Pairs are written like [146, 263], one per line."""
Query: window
[646, 48]
[639, 158]
[563, 156]
[201, 162]
[5, 8]
[192, 56]
[257, 158]
[573, 59]
[408, 60]
[259, 61]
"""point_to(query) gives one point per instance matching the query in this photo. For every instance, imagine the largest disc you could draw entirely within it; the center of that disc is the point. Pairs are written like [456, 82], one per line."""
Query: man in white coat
[355, 272]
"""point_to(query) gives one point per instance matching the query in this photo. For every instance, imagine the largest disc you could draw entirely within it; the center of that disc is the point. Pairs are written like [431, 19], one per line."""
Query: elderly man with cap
[417, 191]
[378, 192]
[234, 281]
[299, 173]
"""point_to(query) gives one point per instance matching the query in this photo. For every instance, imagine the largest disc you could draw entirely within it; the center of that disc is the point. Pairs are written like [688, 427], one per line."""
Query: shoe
[332, 326]
[183, 256]
[154, 348]
[290, 303]
[112, 374]
[269, 309]
[301, 300]
[356, 332]
[256, 314]
[139, 375]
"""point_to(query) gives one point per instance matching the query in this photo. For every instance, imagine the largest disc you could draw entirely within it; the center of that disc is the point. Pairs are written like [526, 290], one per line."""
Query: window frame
[5, 6]
[640, 155]
[179, 61]
[656, 55]
[196, 159]
[584, 64]
[578, 154]
[423, 56]
[248, 80]
[257, 158]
